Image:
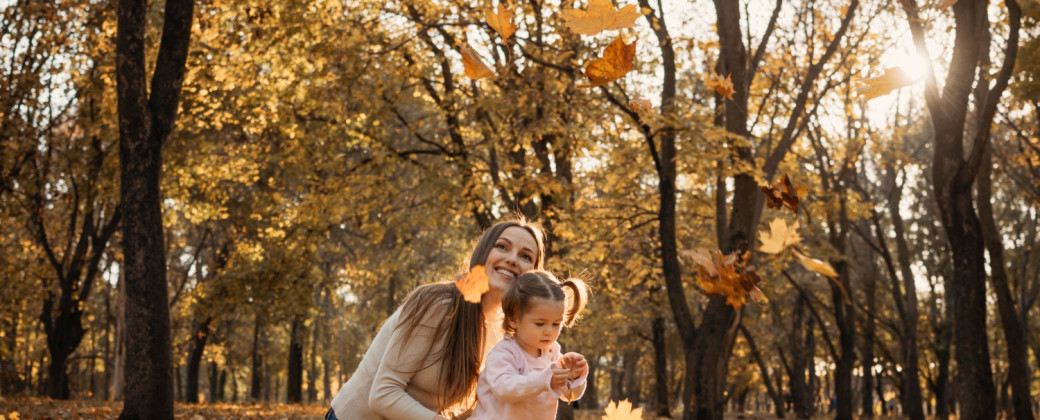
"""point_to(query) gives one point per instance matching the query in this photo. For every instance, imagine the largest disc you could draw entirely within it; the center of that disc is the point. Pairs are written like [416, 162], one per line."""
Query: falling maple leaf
[600, 16]
[821, 267]
[780, 235]
[501, 22]
[726, 275]
[641, 105]
[622, 410]
[894, 78]
[475, 67]
[615, 63]
[783, 193]
[473, 284]
[722, 86]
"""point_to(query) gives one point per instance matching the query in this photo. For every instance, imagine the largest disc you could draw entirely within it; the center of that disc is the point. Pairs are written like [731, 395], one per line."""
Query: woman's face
[514, 253]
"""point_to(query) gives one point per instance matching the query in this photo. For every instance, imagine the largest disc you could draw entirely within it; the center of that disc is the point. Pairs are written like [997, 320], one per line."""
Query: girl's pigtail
[579, 297]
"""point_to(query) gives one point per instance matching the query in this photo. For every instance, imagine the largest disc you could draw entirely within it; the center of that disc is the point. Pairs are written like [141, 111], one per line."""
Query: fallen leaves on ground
[615, 63]
[47, 409]
[473, 284]
[600, 16]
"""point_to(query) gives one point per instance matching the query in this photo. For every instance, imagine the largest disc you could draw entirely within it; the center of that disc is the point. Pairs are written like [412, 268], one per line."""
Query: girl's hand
[560, 376]
[575, 364]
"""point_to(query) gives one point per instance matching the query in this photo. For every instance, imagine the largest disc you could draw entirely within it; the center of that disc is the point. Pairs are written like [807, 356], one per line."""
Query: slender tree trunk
[1017, 347]
[911, 401]
[774, 394]
[256, 385]
[196, 348]
[660, 368]
[294, 385]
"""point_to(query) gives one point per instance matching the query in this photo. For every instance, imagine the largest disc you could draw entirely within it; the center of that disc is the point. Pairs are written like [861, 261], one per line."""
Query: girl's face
[514, 253]
[539, 327]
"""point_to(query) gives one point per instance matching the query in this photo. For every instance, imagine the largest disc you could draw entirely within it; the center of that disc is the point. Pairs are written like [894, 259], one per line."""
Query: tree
[146, 117]
[953, 175]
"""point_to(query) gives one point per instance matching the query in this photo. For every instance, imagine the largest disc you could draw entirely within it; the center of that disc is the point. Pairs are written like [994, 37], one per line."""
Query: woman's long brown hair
[463, 330]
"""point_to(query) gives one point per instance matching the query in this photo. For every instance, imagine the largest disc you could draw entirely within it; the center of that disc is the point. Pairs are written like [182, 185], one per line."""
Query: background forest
[321, 158]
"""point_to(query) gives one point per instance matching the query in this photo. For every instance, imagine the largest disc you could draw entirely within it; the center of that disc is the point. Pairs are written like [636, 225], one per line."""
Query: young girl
[524, 373]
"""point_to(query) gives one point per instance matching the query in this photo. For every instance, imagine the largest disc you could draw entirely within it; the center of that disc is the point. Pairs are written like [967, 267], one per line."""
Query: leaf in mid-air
[600, 16]
[475, 67]
[615, 63]
[894, 78]
[622, 410]
[640, 105]
[722, 86]
[784, 194]
[502, 21]
[780, 235]
[726, 275]
[473, 284]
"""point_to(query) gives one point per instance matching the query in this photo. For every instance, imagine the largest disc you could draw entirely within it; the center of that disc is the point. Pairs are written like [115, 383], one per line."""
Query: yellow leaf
[622, 410]
[894, 78]
[600, 16]
[779, 236]
[616, 62]
[816, 265]
[641, 105]
[501, 22]
[473, 284]
[724, 87]
[475, 67]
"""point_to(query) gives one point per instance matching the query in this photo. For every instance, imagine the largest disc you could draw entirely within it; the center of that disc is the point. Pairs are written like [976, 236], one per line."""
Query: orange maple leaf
[894, 78]
[600, 16]
[475, 67]
[784, 194]
[501, 22]
[722, 86]
[622, 410]
[726, 275]
[473, 284]
[616, 62]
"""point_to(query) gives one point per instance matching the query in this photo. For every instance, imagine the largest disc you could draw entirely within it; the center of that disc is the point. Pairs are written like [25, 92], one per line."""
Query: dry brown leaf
[783, 193]
[475, 67]
[641, 105]
[473, 284]
[622, 410]
[894, 78]
[502, 21]
[722, 86]
[616, 62]
[726, 275]
[600, 16]
[779, 236]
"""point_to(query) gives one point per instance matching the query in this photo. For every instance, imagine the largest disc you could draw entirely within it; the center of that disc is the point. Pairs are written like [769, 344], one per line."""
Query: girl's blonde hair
[545, 285]
[463, 330]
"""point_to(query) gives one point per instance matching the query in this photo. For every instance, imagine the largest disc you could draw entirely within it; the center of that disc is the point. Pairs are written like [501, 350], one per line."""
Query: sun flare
[914, 65]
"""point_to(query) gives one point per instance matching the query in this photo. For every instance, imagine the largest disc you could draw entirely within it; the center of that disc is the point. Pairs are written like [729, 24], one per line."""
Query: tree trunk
[660, 368]
[774, 394]
[144, 123]
[294, 385]
[256, 384]
[1017, 348]
[911, 401]
[196, 347]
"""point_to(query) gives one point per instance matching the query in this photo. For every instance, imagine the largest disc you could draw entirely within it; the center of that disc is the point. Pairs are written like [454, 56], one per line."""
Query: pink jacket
[515, 385]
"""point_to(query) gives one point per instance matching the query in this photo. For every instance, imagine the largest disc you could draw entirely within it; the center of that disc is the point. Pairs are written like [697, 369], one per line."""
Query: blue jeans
[331, 415]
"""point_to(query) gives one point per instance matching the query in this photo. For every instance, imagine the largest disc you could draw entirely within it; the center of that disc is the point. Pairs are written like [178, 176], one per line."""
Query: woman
[425, 360]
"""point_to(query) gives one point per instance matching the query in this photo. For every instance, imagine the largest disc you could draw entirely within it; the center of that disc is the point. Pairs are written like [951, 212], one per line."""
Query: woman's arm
[404, 356]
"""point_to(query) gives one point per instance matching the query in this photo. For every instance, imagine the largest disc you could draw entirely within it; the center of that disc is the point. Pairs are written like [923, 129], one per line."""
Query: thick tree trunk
[294, 383]
[144, 123]
[196, 348]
